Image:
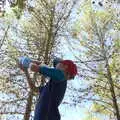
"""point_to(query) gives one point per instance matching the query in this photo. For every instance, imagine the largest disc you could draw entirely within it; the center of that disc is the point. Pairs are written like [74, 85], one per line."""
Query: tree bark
[5, 35]
[112, 90]
[28, 106]
[33, 89]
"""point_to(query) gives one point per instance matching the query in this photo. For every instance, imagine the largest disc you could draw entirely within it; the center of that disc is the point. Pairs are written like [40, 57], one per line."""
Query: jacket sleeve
[55, 74]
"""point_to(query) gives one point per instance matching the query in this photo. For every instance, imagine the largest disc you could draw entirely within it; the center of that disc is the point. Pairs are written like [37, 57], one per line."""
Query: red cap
[72, 68]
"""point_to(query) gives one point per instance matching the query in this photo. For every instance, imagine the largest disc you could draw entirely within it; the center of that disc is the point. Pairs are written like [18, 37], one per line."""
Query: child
[51, 95]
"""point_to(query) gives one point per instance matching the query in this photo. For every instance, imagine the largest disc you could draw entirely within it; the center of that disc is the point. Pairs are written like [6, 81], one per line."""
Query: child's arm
[55, 74]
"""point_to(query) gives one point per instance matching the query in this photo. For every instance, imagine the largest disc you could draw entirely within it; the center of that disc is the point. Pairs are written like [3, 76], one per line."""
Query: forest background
[85, 31]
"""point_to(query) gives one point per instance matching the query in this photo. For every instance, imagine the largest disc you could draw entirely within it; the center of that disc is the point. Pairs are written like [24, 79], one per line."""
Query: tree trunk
[112, 90]
[50, 39]
[4, 37]
[28, 106]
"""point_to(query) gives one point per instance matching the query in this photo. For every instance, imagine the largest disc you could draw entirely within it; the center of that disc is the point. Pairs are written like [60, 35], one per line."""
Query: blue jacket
[51, 95]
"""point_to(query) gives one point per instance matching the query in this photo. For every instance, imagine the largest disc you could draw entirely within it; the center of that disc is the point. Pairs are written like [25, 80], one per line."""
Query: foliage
[99, 60]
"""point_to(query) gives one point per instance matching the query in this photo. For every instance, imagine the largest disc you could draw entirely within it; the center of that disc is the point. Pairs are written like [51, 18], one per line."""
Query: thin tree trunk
[33, 89]
[112, 90]
[49, 39]
[110, 80]
[5, 35]
[28, 105]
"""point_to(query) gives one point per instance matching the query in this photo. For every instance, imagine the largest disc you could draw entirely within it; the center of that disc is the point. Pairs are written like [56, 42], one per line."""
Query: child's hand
[24, 62]
[34, 67]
